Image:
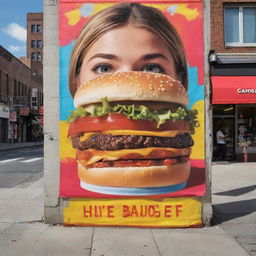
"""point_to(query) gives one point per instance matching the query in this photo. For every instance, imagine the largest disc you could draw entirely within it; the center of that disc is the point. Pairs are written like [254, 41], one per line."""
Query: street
[20, 167]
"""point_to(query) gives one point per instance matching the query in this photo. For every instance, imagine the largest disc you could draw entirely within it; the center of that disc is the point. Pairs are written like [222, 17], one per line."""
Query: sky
[13, 19]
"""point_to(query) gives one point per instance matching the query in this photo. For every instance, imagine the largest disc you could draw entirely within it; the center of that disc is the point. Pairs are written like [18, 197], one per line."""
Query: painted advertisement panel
[131, 110]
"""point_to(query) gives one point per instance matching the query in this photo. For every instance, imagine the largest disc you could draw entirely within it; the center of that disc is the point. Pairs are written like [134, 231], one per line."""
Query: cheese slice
[93, 156]
[169, 133]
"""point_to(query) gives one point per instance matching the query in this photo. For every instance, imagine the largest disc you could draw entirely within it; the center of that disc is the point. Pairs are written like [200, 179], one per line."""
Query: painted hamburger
[132, 134]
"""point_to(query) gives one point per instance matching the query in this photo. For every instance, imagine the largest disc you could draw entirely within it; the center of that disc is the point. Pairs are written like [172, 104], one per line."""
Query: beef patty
[111, 142]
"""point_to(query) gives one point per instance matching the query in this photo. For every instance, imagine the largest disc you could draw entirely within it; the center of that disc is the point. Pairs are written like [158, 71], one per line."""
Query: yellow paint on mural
[168, 212]
[100, 7]
[189, 13]
[73, 17]
[182, 9]
[66, 149]
[198, 149]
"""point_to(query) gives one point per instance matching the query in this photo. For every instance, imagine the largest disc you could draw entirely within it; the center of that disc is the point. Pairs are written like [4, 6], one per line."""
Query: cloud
[16, 48]
[16, 31]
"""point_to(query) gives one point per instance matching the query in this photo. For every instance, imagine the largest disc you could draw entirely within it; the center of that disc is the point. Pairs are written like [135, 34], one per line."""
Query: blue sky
[13, 18]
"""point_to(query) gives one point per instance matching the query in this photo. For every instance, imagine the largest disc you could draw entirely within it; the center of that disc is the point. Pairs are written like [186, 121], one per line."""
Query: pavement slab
[176, 242]
[38, 239]
[21, 210]
[123, 242]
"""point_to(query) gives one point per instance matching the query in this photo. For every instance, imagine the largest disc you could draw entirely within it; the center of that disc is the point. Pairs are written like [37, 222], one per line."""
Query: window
[39, 44]
[33, 56]
[33, 28]
[240, 26]
[15, 88]
[7, 84]
[34, 102]
[18, 91]
[39, 56]
[39, 28]
[23, 90]
[33, 43]
[36, 28]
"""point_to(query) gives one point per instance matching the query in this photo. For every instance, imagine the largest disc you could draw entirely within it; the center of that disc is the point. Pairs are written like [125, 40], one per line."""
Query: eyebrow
[103, 56]
[154, 56]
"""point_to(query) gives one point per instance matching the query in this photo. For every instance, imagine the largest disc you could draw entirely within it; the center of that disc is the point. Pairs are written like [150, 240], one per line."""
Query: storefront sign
[169, 198]
[246, 90]
[13, 116]
[24, 112]
[233, 89]
[4, 111]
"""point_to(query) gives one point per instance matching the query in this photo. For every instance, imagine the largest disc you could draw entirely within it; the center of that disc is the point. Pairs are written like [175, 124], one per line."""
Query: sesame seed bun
[131, 86]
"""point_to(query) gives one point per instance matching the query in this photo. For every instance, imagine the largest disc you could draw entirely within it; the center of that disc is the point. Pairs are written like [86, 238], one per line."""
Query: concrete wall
[51, 121]
[207, 199]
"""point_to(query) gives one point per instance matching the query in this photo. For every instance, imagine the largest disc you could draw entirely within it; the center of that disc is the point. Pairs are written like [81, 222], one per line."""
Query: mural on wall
[132, 112]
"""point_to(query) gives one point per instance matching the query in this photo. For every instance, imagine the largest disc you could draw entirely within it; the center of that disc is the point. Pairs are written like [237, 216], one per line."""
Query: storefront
[234, 108]
[4, 119]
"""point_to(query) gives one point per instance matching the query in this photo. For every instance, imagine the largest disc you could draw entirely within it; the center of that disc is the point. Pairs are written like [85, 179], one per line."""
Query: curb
[21, 146]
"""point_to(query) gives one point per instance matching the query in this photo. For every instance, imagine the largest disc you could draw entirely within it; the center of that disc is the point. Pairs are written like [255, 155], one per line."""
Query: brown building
[233, 76]
[21, 96]
[35, 42]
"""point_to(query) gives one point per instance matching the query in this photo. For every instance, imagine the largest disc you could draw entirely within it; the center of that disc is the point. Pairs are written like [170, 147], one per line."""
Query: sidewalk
[8, 146]
[22, 232]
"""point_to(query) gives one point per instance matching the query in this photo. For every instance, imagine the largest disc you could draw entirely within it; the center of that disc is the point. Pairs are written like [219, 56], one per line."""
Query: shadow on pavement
[232, 210]
[237, 192]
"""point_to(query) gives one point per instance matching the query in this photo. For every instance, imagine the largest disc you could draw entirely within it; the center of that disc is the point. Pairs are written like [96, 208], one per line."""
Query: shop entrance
[246, 132]
[224, 115]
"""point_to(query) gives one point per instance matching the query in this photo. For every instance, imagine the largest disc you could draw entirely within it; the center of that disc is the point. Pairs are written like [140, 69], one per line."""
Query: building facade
[233, 76]
[21, 99]
[35, 42]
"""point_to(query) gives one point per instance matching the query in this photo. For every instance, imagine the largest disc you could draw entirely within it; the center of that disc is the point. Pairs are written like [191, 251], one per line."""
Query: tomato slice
[121, 122]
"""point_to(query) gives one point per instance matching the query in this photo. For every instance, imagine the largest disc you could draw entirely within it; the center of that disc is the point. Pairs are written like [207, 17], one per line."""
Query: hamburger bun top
[131, 86]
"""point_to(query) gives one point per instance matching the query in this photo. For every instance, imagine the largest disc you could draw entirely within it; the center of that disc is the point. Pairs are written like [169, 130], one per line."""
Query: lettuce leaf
[79, 112]
[140, 112]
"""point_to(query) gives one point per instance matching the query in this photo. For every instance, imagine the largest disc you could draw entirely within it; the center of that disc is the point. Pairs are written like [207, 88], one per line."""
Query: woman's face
[127, 48]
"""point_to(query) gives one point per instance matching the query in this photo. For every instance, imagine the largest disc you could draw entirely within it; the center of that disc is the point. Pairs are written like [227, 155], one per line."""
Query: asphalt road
[20, 167]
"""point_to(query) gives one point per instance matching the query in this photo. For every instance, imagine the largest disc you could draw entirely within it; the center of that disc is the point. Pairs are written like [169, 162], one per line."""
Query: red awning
[233, 89]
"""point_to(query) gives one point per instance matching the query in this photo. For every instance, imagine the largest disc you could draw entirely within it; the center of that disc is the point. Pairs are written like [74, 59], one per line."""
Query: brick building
[35, 42]
[233, 76]
[21, 86]
[21, 96]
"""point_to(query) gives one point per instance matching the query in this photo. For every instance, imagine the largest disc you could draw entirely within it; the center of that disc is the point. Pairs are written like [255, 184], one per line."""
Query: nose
[125, 68]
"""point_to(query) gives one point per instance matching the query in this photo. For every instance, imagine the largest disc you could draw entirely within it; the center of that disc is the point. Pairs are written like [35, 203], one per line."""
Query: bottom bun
[135, 177]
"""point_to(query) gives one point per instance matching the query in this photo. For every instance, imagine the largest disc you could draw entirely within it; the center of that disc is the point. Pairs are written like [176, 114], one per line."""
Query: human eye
[154, 68]
[103, 68]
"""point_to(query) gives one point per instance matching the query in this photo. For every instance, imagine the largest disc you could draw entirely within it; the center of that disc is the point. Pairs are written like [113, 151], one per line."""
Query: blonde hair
[120, 15]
